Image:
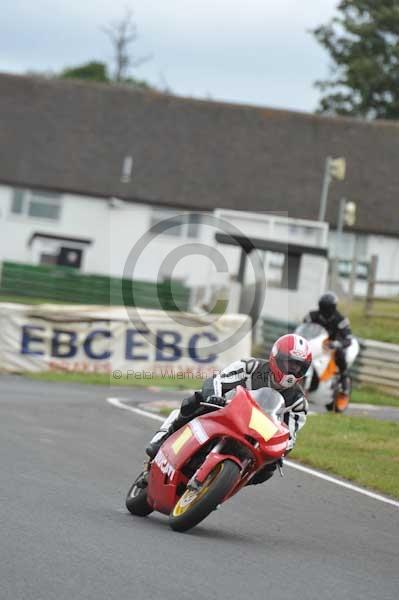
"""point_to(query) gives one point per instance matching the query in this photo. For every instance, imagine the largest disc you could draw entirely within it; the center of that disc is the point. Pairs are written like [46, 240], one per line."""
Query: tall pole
[340, 226]
[241, 278]
[338, 242]
[353, 274]
[325, 188]
[371, 285]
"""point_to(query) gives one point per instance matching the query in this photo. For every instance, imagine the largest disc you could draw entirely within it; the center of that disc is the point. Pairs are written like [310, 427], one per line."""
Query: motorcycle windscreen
[310, 331]
[270, 401]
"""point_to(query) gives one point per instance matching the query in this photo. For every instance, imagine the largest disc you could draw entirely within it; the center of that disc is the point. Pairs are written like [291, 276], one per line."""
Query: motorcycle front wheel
[195, 505]
[136, 500]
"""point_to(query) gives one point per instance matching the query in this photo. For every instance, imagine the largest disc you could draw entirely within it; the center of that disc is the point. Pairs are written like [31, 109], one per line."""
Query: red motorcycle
[206, 462]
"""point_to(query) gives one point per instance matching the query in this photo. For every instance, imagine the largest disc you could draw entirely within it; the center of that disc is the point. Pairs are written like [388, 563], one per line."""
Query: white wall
[128, 228]
[388, 249]
[292, 305]
[80, 217]
[364, 247]
[116, 231]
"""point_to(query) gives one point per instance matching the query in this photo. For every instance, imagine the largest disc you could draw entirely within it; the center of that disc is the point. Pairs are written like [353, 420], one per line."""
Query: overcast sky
[249, 51]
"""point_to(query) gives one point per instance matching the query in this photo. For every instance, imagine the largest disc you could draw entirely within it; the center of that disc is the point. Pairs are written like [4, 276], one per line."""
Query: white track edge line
[343, 484]
[354, 488]
[370, 407]
[116, 402]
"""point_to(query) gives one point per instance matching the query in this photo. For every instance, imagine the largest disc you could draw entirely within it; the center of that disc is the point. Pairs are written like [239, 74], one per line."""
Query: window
[48, 259]
[17, 202]
[176, 224]
[36, 204]
[193, 226]
[345, 269]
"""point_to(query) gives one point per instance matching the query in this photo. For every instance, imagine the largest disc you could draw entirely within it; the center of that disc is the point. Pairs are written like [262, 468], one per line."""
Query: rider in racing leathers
[338, 329]
[289, 360]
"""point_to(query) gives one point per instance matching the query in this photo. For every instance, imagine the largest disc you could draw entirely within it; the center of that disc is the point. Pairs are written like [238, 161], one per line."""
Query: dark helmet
[328, 304]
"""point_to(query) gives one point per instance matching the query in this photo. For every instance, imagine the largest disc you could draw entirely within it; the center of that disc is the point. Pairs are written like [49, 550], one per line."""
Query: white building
[87, 169]
[98, 236]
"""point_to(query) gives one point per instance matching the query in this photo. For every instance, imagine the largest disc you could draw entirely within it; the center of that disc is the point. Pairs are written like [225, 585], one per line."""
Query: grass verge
[369, 395]
[383, 329]
[363, 450]
[179, 383]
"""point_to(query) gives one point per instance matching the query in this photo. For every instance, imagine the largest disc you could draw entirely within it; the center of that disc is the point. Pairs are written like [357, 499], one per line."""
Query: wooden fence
[372, 295]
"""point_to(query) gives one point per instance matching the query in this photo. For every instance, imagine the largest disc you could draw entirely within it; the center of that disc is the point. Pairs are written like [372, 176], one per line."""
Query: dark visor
[292, 366]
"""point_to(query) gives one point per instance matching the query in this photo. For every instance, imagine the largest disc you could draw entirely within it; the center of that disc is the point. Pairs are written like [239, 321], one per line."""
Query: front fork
[212, 460]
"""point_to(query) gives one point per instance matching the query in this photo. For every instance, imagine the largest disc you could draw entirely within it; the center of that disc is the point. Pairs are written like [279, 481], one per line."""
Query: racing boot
[172, 424]
[142, 480]
[342, 398]
[345, 383]
[156, 442]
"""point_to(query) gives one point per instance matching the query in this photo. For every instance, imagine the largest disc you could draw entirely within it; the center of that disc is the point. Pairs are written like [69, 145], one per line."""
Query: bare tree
[163, 85]
[122, 34]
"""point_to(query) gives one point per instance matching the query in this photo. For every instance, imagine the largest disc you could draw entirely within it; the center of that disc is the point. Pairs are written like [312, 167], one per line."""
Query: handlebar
[212, 405]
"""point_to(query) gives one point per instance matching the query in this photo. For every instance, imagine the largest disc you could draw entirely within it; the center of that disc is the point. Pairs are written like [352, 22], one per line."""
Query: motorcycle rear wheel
[195, 505]
[136, 501]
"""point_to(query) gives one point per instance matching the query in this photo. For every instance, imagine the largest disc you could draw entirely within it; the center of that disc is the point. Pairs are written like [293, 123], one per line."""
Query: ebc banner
[142, 342]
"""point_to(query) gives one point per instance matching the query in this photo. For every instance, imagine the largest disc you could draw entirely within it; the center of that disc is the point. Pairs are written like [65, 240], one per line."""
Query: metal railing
[377, 365]
[273, 329]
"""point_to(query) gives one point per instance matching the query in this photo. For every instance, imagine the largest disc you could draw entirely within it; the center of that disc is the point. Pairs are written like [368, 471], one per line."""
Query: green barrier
[273, 329]
[65, 284]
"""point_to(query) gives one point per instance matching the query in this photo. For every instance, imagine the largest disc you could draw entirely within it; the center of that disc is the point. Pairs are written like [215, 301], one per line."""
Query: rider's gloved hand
[216, 400]
[334, 345]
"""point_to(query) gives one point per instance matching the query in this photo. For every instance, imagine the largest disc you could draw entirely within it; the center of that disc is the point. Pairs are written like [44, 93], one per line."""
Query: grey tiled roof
[74, 136]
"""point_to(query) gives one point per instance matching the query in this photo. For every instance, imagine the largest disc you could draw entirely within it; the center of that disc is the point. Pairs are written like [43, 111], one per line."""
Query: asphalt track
[67, 459]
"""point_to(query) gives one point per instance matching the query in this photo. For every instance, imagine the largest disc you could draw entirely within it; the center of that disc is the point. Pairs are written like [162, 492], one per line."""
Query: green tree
[363, 43]
[97, 71]
[91, 71]
[122, 34]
